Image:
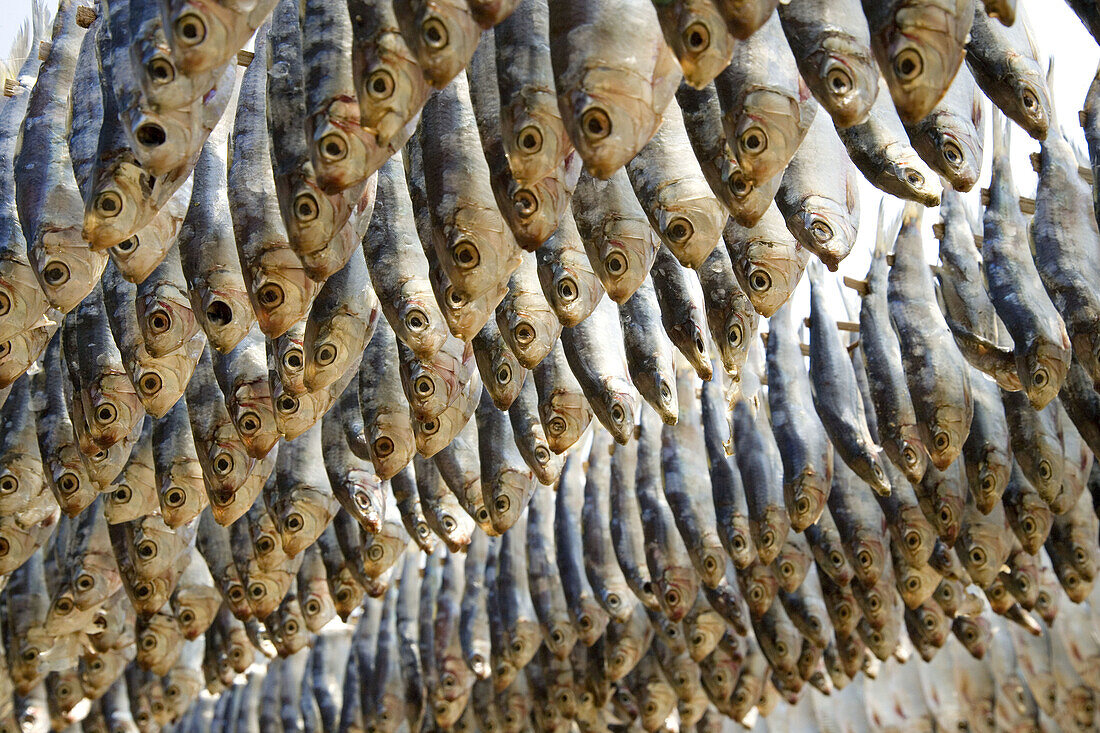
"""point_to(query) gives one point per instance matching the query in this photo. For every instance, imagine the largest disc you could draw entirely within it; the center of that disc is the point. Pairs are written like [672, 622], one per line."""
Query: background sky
[1058, 32]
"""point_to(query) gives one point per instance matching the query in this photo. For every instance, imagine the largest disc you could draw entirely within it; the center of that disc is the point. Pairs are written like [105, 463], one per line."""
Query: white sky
[1057, 30]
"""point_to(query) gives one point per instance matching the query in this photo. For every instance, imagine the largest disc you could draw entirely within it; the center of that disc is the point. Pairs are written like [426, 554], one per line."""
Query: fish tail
[1050, 88]
[882, 241]
[912, 214]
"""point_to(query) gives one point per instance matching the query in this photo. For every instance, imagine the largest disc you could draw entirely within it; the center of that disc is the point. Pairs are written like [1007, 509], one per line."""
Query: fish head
[565, 416]
[769, 271]
[529, 330]
[1033, 521]
[161, 138]
[913, 176]
[508, 495]
[224, 308]
[254, 417]
[393, 86]
[21, 297]
[266, 589]
[436, 434]
[944, 511]
[289, 632]
[343, 152]
[346, 593]
[364, 490]
[533, 134]
[845, 78]
[391, 442]
[738, 540]
[302, 517]
[591, 621]
[1031, 99]
[534, 209]
[746, 693]
[988, 483]
[770, 533]
[181, 492]
[916, 584]
[983, 549]
[383, 550]
[931, 624]
[417, 324]
[318, 607]
[656, 701]
[479, 248]
[701, 42]
[281, 292]
[160, 383]
[454, 528]
[882, 642]
[624, 253]
[572, 288]
[295, 414]
[999, 597]
[195, 608]
[759, 587]
[1042, 370]
[159, 641]
[1076, 586]
[117, 205]
[766, 133]
[200, 32]
[737, 334]
[66, 270]
[676, 590]
[974, 632]
[166, 319]
[290, 360]
[790, 567]
[430, 386]
[920, 51]
[229, 466]
[825, 227]
[917, 536]
[310, 216]
[617, 408]
[64, 615]
[719, 675]
[868, 555]
[99, 670]
[1023, 581]
[609, 116]
[623, 655]
[332, 348]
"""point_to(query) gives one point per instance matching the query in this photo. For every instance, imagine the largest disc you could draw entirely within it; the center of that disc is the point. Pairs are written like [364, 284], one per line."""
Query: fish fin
[41, 20]
[912, 214]
[815, 271]
[882, 241]
[1001, 135]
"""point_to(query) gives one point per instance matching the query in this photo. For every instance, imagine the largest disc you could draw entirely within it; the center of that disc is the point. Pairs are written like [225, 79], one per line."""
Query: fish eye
[5, 349]
[760, 281]
[287, 404]
[874, 603]
[56, 273]
[672, 598]
[502, 504]
[150, 384]
[312, 607]
[821, 231]
[941, 440]
[865, 558]
[945, 515]
[952, 154]
[836, 559]
[679, 230]
[108, 204]
[929, 622]
[449, 524]
[191, 29]
[434, 33]
[161, 70]
[988, 484]
[343, 595]
[740, 185]
[270, 295]
[839, 81]
[106, 414]
[529, 139]
[256, 590]
[249, 423]
[908, 65]
[1040, 377]
[1080, 556]
[977, 555]
[914, 178]
[223, 464]
[424, 386]
[465, 255]
[739, 543]
[122, 494]
[416, 320]
[380, 85]
[430, 428]
[5, 304]
[524, 334]
[326, 354]
[1028, 525]
[146, 549]
[85, 582]
[64, 605]
[504, 374]
[1029, 100]
[265, 545]
[175, 498]
[567, 289]
[306, 208]
[9, 484]
[666, 393]
[150, 135]
[754, 140]
[556, 425]
[615, 264]
[1045, 470]
[159, 322]
[525, 203]
[802, 505]
[696, 38]
[219, 313]
[734, 335]
[483, 515]
[786, 569]
[333, 147]
[454, 299]
[618, 414]
[595, 124]
[292, 359]
[912, 539]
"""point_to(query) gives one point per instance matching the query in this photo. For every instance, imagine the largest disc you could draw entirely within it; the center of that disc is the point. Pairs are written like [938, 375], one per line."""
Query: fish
[441, 36]
[861, 526]
[532, 208]
[567, 278]
[1037, 443]
[698, 34]
[1005, 64]
[507, 481]
[406, 500]
[322, 229]
[1028, 515]
[162, 82]
[215, 281]
[587, 615]
[179, 476]
[919, 47]
[674, 579]
[530, 437]
[610, 102]
[649, 353]
[474, 612]
[890, 401]
[502, 375]
[687, 484]
[472, 242]
[626, 529]
[1072, 551]
[352, 477]
[880, 148]
[303, 501]
[675, 195]
[243, 378]
[340, 323]
[767, 109]
[195, 600]
[279, 290]
[984, 543]
[951, 137]
[747, 200]
[397, 267]
[459, 465]
[1041, 343]
[526, 321]
[443, 513]
[518, 624]
[966, 304]
[548, 593]
[202, 37]
[681, 312]
[836, 396]
[731, 316]
[343, 153]
[46, 191]
[987, 452]
[942, 498]
[767, 260]
[435, 434]
[601, 566]
[760, 464]
[832, 46]
[938, 378]
[730, 499]
[792, 563]
[912, 535]
[386, 422]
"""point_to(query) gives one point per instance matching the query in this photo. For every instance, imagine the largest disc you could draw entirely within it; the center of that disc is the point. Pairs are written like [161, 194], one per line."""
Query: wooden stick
[85, 16]
[890, 259]
[43, 50]
[805, 348]
[937, 232]
[9, 87]
[1082, 170]
[244, 58]
[860, 286]
[1027, 205]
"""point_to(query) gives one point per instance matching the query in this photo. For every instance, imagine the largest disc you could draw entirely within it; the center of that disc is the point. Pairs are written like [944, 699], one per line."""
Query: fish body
[951, 137]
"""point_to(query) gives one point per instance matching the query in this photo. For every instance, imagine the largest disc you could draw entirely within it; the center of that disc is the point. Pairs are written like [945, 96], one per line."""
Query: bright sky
[1057, 30]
